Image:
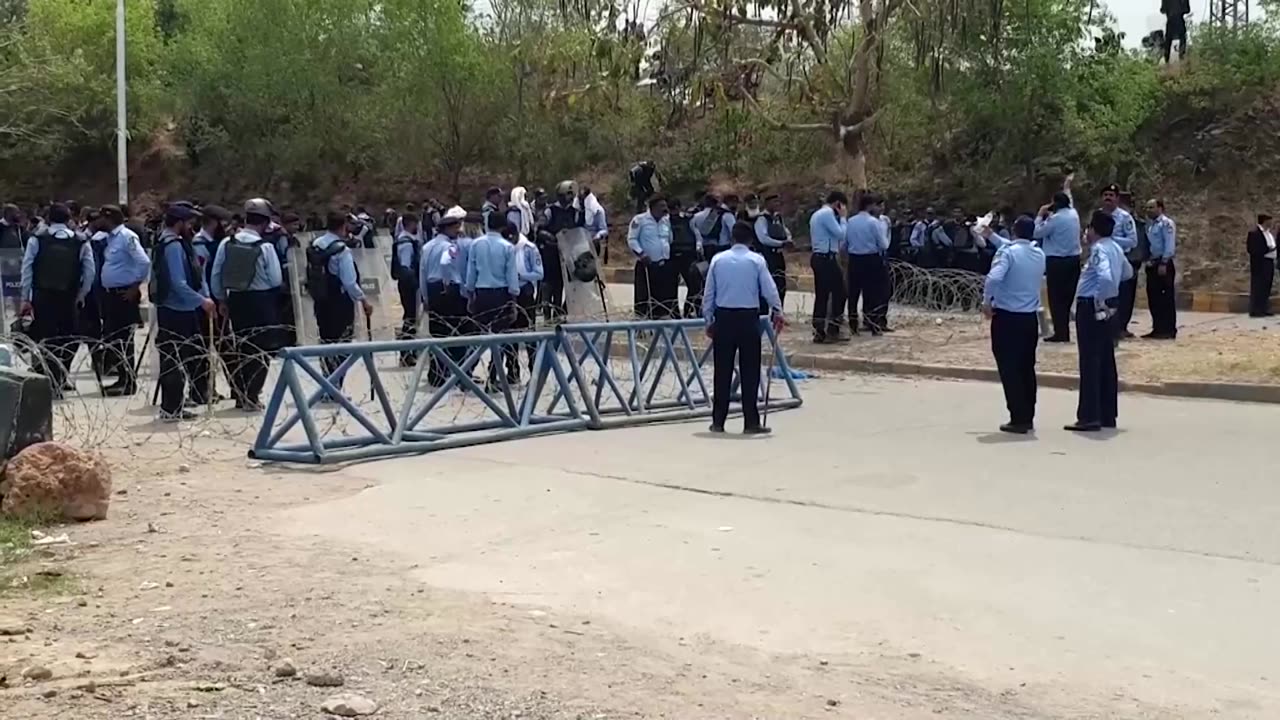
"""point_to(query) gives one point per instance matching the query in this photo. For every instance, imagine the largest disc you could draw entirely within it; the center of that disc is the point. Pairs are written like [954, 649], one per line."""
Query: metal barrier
[592, 375]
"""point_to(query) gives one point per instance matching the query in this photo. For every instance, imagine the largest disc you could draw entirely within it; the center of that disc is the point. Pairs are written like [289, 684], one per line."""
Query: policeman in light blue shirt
[713, 226]
[493, 284]
[530, 272]
[1011, 298]
[1096, 299]
[125, 267]
[440, 277]
[1125, 235]
[736, 282]
[649, 237]
[867, 241]
[179, 295]
[1162, 235]
[826, 239]
[246, 284]
[57, 275]
[1058, 231]
[920, 231]
[406, 251]
[334, 305]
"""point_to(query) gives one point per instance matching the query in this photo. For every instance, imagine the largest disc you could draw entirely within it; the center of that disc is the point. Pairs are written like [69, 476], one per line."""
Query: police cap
[181, 210]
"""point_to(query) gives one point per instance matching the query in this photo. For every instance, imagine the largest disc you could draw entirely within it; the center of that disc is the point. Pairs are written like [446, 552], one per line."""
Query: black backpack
[319, 283]
[240, 264]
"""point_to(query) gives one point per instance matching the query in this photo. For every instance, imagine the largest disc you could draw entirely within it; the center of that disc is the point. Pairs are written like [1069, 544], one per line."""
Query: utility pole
[122, 132]
[1230, 14]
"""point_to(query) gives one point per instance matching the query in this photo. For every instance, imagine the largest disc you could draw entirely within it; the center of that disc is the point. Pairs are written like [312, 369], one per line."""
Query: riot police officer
[562, 214]
[204, 247]
[440, 276]
[686, 256]
[772, 237]
[334, 285]
[406, 254]
[246, 283]
[179, 295]
[57, 274]
[125, 267]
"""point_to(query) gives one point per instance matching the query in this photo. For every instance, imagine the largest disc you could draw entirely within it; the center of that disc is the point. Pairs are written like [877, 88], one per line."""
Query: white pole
[122, 135]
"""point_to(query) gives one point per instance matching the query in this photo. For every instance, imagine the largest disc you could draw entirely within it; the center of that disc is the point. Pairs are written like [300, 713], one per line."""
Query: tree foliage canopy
[357, 93]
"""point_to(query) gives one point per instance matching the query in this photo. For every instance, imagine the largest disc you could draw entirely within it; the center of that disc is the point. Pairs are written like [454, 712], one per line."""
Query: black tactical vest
[57, 263]
[682, 239]
[399, 271]
[564, 218]
[240, 264]
[161, 283]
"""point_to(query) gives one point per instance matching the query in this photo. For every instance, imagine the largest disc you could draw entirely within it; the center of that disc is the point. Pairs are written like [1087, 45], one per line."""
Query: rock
[193, 703]
[51, 478]
[833, 703]
[81, 602]
[324, 679]
[349, 705]
[37, 672]
[75, 694]
[184, 468]
[86, 655]
[286, 669]
[50, 693]
[12, 626]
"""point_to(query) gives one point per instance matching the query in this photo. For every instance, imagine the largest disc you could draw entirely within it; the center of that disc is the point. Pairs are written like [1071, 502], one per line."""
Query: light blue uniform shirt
[597, 224]
[492, 264]
[124, 263]
[406, 243]
[918, 233]
[737, 279]
[439, 263]
[181, 296]
[864, 234]
[87, 265]
[204, 248]
[726, 227]
[529, 263]
[1102, 274]
[762, 233]
[1013, 284]
[1059, 234]
[1126, 231]
[826, 231]
[1162, 233]
[267, 276]
[650, 238]
[342, 265]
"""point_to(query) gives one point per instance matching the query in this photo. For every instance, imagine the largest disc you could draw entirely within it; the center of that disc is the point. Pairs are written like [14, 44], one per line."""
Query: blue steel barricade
[572, 365]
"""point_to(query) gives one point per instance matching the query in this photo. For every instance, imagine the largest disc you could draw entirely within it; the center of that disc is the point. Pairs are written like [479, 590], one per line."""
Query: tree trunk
[852, 162]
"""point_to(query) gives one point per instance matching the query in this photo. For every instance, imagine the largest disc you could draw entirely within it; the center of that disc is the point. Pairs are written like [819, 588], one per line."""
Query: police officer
[641, 177]
[213, 230]
[57, 274]
[492, 285]
[492, 204]
[713, 226]
[685, 256]
[1097, 295]
[772, 237]
[1126, 236]
[1162, 235]
[125, 267]
[563, 214]
[12, 236]
[334, 286]
[529, 272]
[867, 241]
[736, 280]
[246, 283]
[826, 237]
[1058, 231]
[1011, 299]
[597, 223]
[180, 298]
[440, 276]
[649, 237]
[406, 255]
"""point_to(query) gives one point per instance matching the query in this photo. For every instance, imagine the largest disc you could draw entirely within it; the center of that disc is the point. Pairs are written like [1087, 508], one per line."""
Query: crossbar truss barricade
[581, 376]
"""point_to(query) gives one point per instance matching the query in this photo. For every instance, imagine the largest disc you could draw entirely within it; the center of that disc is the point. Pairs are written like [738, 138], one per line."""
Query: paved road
[1133, 574]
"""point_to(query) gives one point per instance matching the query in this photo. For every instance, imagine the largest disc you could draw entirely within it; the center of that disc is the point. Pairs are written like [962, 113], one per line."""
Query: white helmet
[454, 214]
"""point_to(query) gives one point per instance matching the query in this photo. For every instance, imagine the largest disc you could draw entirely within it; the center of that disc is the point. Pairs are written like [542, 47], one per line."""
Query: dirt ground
[183, 603]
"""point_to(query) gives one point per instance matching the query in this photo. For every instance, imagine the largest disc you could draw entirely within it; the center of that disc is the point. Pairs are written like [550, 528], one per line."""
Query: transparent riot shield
[10, 288]
[583, 291]
[375, 281]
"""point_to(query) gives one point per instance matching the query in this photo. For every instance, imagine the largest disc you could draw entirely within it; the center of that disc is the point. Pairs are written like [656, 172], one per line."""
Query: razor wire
[922, 300]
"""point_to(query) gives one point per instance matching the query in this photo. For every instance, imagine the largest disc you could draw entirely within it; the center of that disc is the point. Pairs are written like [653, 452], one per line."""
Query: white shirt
[1271, 242]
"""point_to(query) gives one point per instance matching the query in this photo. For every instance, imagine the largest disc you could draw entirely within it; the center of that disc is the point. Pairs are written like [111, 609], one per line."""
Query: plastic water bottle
[6, 356]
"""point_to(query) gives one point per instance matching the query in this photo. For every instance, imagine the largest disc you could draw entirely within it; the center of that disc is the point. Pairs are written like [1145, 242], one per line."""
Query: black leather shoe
[1056, 339]
[1109, 424]
[717, 429]
[1015, 428]
[758, 430]
[120, 390]
[1082, 427]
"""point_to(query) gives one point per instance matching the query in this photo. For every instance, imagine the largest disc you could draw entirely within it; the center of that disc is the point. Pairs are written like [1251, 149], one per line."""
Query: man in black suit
[1262, 266]
[1175, 26]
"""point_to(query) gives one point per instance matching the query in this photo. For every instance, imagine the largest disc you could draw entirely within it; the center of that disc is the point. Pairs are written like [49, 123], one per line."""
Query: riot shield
[580, 267]
[10, 288]
[375, 280]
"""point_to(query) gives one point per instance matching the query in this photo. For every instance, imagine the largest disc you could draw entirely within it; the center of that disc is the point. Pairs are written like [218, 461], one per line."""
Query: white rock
[349, 705]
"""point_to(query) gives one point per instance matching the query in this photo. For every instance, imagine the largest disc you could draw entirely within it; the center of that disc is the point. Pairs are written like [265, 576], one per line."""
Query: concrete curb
[1234, 392]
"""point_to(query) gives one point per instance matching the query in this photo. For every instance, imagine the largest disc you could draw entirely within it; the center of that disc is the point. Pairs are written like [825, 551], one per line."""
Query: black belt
[825, 254]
